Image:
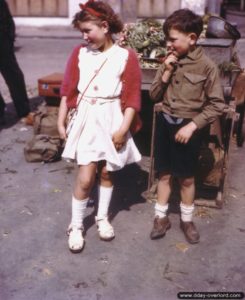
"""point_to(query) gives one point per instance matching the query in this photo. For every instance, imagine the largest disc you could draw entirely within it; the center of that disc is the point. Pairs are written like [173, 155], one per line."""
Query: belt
[99, 101]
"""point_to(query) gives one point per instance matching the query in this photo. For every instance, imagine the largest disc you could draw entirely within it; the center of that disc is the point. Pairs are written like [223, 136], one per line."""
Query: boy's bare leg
[187, 192]
[163, 189]
[161, 221]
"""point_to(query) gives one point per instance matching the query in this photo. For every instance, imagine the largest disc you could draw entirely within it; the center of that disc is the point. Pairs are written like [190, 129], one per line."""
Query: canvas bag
[45, 121]
[43, 148]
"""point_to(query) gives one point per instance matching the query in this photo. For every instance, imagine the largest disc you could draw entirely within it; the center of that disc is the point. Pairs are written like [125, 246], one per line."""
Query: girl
[102, 81]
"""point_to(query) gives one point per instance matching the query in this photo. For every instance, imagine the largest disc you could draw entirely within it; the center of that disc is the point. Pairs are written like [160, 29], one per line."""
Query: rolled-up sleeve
[158, 87]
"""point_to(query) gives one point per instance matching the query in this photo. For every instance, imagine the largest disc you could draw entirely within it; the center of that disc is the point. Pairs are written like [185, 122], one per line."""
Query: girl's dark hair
[183, 20]
[103, 13]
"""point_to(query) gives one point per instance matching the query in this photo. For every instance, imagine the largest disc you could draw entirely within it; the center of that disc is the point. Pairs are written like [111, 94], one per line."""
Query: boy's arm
[162, 78]
[158, 87]
[215, 105]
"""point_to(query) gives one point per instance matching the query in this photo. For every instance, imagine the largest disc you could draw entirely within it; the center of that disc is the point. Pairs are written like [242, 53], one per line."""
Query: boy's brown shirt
[194, 90]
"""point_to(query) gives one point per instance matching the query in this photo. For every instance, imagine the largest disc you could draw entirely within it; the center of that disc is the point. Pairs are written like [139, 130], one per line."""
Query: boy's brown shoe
[190, 232]
[160, 226]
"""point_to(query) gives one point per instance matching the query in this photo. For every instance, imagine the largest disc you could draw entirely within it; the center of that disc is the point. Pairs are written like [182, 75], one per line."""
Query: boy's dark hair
[183, 20]
[104, 12]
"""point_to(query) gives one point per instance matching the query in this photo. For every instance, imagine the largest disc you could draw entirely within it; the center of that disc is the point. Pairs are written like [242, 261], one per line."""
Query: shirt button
[180, 65]
[177, 81]
[173, 100]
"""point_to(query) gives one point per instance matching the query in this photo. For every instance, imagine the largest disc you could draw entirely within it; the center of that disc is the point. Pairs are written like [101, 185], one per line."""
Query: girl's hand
[62, 131]
[118, 139]
[184, 133]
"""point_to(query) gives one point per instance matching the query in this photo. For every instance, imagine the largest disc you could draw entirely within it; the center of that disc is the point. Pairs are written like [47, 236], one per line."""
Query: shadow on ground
[129, 184]
[10, 115]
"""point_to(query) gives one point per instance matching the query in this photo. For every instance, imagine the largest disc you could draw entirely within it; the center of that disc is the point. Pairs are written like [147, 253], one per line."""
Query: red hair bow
[90, 9]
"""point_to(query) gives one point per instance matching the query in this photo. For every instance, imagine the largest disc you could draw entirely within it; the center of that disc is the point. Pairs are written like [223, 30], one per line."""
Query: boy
[187, 84]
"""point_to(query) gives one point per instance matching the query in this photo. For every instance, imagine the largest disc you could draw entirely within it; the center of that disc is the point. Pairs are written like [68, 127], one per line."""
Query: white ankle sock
[78, 212]
[105, 194]
[161, 210]
[186, 212]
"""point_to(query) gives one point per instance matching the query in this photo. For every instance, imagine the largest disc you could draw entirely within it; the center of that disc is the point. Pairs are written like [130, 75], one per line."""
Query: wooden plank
[159, 9]
[36, 8]
[144, 8]
[129, 11]
[50, 8]
[62, 8]
[207, 203]
[12, 6]
[22, 8]
[171, 6]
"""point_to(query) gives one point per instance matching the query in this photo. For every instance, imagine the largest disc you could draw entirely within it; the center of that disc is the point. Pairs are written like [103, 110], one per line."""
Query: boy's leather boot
[190, 232]
[160, 226]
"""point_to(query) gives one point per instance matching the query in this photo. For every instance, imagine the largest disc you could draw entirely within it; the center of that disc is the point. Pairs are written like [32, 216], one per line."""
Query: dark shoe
[2, 113]
[190, 232]
[160, 226]
[2, 120]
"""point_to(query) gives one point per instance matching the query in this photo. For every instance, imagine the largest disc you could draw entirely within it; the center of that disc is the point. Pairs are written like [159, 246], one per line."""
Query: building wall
[60, 12]
[37, 8]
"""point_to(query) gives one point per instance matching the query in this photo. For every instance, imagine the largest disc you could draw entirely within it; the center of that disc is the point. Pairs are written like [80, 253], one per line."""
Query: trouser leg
[15, 81]
[2, 105]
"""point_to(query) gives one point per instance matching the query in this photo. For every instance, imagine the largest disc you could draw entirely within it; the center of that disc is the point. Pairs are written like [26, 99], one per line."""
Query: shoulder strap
[95, 74]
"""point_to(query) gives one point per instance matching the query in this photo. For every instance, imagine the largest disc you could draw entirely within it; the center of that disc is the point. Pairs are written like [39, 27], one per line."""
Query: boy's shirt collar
[194, 55]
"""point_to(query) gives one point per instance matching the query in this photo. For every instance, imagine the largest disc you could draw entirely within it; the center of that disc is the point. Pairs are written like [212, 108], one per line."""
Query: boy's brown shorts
[171, 157]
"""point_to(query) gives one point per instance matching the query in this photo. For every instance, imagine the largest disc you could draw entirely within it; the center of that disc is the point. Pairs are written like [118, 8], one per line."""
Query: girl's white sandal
[76, 241]
[106, 231]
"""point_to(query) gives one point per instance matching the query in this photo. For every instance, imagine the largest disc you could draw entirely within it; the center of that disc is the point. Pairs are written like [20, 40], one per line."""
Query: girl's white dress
[99, 112]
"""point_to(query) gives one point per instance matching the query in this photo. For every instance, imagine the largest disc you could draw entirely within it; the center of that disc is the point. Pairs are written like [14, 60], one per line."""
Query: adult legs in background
[14, 79]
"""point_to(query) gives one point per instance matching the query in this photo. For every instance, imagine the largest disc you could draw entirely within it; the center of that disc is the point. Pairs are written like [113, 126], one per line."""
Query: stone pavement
[35, 263]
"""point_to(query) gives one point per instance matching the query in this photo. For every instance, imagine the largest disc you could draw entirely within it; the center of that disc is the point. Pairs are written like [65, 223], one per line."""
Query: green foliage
[146, 37]
[228, 67]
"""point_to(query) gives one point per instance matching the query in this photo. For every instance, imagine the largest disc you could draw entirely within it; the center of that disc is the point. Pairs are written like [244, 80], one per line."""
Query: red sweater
[131, 88]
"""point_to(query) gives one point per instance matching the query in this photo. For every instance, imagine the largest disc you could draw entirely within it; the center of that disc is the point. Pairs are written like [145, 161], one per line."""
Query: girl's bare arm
[61, 122]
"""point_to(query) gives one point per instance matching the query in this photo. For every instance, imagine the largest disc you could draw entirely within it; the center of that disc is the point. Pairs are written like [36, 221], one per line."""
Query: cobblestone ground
[35, 262]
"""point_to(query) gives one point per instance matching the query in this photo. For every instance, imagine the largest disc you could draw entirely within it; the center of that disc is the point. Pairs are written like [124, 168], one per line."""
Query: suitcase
[49, 88]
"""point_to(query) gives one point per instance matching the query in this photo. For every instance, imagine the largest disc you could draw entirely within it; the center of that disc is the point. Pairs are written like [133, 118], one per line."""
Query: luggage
[43, 148]
[45, 144]
[45, 120]
[49, 88]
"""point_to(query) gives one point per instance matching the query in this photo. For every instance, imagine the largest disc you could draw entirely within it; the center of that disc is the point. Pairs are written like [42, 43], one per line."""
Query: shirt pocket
[193, 85]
